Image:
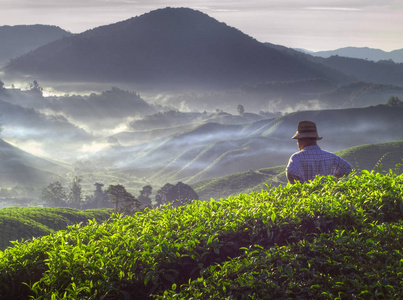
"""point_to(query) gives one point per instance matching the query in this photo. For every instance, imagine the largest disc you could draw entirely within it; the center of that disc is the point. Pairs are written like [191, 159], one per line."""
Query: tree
[35, 87]
[75, 197]
[241, 109]
[101, 197]
[177, 194]
[394, 101]
[54, 195]
[162, 194]
[119, 195]
[144, 196]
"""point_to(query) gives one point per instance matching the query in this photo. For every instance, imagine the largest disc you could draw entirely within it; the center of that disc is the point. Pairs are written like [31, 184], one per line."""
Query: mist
[121, 104]
[130, 132]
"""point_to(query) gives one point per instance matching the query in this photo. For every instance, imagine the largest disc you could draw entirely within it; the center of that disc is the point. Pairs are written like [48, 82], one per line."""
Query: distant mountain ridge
[20, 39]
[171, 46]
[359, 68]
[383, 72]
[361, 53]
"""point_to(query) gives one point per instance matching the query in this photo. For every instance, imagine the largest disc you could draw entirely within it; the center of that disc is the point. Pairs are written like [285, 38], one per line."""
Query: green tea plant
[339, 265]
[26, 222]
[186, 251]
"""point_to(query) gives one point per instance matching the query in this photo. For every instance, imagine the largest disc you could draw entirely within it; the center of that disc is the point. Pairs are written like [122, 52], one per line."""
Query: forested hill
[356, 66]
[20, 39]
[172, 47]
[384, 72]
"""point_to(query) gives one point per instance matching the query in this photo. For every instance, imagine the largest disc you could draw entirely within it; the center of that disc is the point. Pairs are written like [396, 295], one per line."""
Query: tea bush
[27, 222]
[325, 239]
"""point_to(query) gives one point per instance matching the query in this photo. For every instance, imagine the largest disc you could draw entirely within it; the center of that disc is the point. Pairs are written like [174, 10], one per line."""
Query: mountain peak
[175, 47]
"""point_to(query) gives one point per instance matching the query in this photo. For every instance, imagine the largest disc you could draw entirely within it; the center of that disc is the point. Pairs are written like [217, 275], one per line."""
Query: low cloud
[333, 8]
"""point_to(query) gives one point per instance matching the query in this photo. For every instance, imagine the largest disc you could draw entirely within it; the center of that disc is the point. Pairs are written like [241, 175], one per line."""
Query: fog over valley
[176, 96]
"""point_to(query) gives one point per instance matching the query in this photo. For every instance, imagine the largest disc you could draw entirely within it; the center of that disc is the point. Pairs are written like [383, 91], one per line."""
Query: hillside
[240, 183]
[21, 39]
[346, 128]
[295, 95]
[54, 134]
[18, 167]
[359, 94]
[171, 47]
[384, 156]
[103, 111]
[384, 72]
[362, 53]
[357, 67]
[27, 223]
[331, 238]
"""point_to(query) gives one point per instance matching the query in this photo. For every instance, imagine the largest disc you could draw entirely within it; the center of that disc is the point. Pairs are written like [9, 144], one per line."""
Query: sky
[314, 25]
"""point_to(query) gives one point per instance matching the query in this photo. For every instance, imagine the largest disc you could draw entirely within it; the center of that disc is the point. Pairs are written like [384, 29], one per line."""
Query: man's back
[311, 161]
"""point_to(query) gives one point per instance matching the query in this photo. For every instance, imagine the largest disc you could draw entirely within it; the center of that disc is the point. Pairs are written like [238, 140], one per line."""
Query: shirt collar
[311, 148]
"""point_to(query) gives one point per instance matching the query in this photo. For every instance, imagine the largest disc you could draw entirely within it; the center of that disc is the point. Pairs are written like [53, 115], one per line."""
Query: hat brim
[303, 135]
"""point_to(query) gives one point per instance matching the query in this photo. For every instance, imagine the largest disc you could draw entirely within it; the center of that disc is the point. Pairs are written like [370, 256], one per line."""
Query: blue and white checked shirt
[311, 161]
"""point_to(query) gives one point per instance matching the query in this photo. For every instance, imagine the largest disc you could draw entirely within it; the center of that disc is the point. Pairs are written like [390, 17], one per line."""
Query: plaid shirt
[311, 161]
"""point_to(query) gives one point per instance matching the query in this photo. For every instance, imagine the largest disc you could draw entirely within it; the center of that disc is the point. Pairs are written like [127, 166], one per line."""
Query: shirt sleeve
[292, 170]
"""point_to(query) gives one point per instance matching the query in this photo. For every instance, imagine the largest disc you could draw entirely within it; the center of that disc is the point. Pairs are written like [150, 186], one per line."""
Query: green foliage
[18, 223]
[339, 265]
[119, 195]
[54, 194]
[394, 101]
[75, 196]
[325, 239]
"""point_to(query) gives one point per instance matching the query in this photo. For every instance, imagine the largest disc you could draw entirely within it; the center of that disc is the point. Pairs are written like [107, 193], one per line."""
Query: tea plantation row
[322, 240]
[27, 222]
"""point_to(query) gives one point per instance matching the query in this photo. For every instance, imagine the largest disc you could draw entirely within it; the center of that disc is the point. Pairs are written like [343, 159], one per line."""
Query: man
[311, 160]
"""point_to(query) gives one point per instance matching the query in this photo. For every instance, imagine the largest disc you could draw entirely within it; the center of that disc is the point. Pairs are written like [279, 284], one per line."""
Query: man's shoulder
[317, 149]
[296, 154]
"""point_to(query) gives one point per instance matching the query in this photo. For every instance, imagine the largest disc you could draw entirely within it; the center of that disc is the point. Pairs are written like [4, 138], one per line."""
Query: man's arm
[291, 170]
[343, 168]
[290, 178]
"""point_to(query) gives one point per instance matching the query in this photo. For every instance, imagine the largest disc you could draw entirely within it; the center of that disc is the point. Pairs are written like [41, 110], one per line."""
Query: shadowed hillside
[21, 168]
[20, 39]
[384, 72]
[25, 126]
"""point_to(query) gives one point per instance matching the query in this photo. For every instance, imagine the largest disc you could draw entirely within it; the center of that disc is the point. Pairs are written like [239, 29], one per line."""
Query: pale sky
[310, 24]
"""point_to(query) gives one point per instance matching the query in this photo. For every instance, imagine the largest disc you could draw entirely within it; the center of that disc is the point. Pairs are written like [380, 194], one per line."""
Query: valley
[145, 159]
[114, 105]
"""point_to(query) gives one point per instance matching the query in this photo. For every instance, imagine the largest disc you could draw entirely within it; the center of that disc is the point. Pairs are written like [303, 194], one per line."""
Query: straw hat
[306, 129]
